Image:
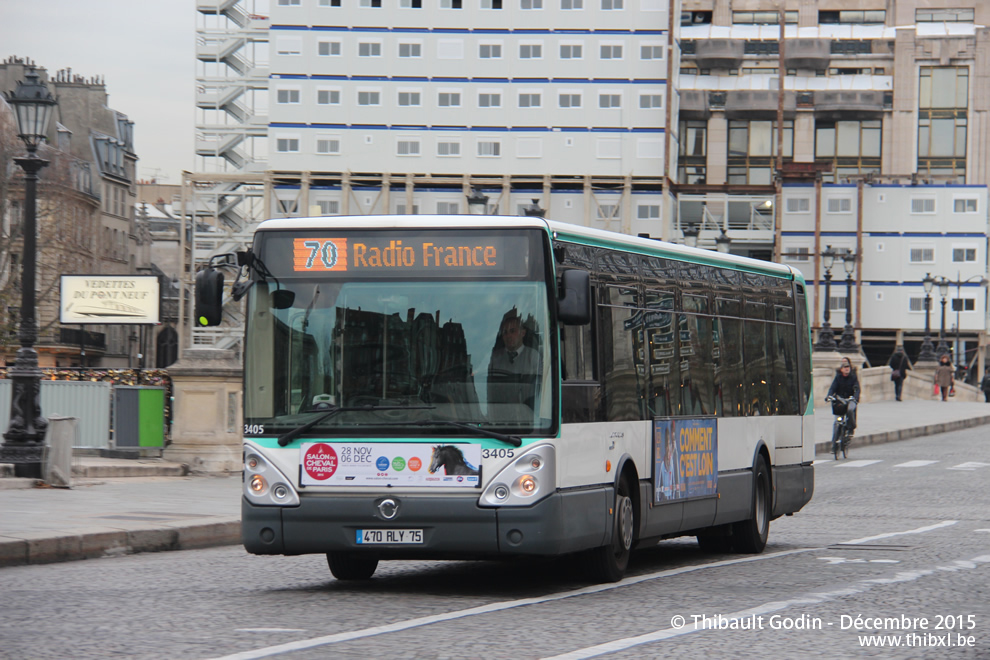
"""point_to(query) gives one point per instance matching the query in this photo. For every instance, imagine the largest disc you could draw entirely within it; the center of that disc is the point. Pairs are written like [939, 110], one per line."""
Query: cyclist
[846, 385]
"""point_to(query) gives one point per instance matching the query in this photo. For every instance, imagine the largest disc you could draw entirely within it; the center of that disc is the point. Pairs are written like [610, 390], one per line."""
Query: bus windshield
[395, 354]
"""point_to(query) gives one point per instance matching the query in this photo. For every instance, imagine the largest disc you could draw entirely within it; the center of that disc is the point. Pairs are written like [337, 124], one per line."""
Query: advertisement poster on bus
[685, 458]
[456, 465]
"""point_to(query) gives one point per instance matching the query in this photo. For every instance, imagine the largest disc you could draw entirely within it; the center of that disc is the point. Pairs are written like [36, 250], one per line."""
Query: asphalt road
[893, 549]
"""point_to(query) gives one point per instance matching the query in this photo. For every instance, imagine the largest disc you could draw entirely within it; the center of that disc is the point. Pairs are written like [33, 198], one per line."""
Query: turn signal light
[527, 484]
[258, 484]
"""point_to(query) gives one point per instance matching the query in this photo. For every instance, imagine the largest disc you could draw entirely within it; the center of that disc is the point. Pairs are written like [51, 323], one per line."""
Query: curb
[906, 434]
[38, 549]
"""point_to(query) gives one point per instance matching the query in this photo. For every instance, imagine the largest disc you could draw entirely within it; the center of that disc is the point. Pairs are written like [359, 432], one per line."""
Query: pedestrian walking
[944, 376]
[899, 364]
[985, 384]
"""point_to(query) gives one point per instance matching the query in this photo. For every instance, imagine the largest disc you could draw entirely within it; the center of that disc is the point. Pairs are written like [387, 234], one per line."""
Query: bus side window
[581, 393]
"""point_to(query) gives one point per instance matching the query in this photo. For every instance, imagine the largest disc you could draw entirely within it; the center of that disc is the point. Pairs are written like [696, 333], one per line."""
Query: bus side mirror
[574, 303]
[209, 297]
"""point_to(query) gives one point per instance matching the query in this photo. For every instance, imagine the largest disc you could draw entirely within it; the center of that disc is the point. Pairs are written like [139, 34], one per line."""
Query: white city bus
[492, 387]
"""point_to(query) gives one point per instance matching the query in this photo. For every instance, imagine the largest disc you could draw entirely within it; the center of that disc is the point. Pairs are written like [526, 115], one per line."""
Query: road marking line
[857, 464]
[270, 630]
[914, 464]
[760, 610]
[498, 607]
[971, 465]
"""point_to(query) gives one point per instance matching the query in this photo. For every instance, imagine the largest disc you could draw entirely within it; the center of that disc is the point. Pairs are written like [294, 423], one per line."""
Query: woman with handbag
[899, 364]
[944, 376]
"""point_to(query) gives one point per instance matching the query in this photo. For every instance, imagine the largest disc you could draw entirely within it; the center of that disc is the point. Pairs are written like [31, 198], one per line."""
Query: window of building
[958, 15]
[401, 209]
[964, 304]
[411, 4]
[796, 254]
[608, 211]
[798, 204]
[490, 51]
[287, 143]
[571, 4]
[448, 148]
[407, 147]
[370, 49]
[860, 16]
[964, 254]
[762, 17]
[288, 3]
[287, 96]
[328, 96]
[693, 151]
[448, 208]
[837, 303]
[611, 5]
[489, 148]
[369, 97]
[491, 4]
[651, 101]
[851, 47]
[329, 206]
[609, 100]
[449, 99]
[288, 46]
[852, 147]
[410, 49]
[964, 205]
[328, 144]
[329, 3]
[923, 205]
[838, 205]
[450, 4]
[569, 100]
[571, 51]
[922, 254]
[916, 304]
[752, 150]
[529, 100]
[611, 51]
[489, 99]
[649, 51]
[376, 4]
[531, 4]
[943, 99]
[648, 211]
[530, 51]
[328, 48]
[409, 98]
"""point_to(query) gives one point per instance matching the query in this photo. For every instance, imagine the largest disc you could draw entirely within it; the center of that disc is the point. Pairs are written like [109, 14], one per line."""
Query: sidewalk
[120, 506]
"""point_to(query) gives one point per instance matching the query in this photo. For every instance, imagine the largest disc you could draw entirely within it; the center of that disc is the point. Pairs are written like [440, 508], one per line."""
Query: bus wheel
[750, 536]
[349, 566]
[608, 563]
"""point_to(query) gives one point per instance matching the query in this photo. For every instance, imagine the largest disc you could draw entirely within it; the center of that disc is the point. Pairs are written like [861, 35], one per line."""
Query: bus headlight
[526, 480]
[264, 484]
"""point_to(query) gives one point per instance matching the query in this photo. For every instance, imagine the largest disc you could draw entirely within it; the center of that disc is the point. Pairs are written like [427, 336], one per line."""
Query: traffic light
[209, 297]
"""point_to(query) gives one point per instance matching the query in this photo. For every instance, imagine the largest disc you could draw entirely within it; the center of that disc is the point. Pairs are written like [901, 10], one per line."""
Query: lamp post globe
[723, 243]
[533, 210]
[927, 353]
[25, 436]
[477, 202]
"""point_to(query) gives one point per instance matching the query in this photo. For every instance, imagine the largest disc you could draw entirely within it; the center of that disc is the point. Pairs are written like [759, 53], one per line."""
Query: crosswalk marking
[856, 464]
[971, 465]
[913, 464]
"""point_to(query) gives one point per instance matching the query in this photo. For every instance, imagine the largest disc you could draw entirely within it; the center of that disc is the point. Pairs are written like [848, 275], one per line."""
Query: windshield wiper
[513, 440]
[289, 436]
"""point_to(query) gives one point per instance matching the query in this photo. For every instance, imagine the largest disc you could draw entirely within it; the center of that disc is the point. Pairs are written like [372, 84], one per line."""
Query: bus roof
[558, 230]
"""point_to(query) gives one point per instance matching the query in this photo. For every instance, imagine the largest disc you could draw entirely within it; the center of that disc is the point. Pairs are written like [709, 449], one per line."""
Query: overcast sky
[143, 49]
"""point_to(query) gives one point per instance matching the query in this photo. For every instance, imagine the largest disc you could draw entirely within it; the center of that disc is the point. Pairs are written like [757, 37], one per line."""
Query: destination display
[391, 254]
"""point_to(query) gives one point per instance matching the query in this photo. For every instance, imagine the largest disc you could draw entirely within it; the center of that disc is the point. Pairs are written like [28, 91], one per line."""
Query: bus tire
[350, 566]
[750, 536]
[609, 562]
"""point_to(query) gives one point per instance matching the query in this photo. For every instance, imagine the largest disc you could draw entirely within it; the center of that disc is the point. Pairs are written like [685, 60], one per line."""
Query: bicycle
[840, 428]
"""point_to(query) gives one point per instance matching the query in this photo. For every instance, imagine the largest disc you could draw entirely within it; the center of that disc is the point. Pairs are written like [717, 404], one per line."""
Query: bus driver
[514, 365]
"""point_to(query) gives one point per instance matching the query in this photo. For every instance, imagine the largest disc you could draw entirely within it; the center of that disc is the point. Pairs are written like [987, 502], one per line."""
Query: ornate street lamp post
[848, 342]
[477, 202]
[826, 338]
[533, 210]
[691, 232]
[943, 290]
[25, 437]
[723, 242]
[927, 353]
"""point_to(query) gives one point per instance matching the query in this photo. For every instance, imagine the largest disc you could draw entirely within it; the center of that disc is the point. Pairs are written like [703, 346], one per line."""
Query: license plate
[388, 536]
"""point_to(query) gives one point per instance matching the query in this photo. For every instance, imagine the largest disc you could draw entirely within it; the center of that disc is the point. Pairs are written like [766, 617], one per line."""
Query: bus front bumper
[452, 526]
